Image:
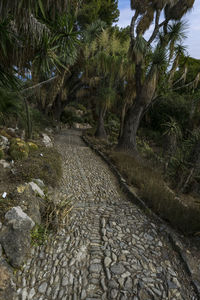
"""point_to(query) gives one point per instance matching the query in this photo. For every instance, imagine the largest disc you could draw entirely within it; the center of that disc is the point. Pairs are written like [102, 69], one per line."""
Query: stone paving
[110, 248]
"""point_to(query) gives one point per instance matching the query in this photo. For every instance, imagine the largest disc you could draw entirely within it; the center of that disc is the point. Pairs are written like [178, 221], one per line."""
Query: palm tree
[147, 76]
[104, 58]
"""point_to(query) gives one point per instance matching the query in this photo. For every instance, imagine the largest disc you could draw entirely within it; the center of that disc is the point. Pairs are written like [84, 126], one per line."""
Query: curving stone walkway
[110, 249]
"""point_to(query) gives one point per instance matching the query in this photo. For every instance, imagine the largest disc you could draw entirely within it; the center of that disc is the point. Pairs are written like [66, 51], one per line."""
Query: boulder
[30, 203]
[15, 236]
[47, 140]
[7, 285]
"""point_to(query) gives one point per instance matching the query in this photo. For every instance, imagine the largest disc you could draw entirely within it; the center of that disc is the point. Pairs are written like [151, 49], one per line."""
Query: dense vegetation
[142, 96]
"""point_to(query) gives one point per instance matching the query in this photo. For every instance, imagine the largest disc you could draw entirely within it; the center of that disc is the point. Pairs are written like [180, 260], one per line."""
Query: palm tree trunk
[123, 113]
[101, 132]
[127, 141]
[56, 90]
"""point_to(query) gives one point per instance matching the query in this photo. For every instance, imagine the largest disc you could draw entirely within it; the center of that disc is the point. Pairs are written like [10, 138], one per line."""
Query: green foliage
[39, 235]
[18, 149]
[173, 105]
[92, 10]
[70, 116]
[1, 153]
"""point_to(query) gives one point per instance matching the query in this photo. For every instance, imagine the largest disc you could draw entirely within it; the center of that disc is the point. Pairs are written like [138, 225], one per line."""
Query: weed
[39, 235]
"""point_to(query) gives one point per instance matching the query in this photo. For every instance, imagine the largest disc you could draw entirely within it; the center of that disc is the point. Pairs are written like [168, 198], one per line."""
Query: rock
[15, 236]
[47, 140]
[39, 182]
[113, 294]
[18, 219]
[30, 203]
[95, 268]
[4, 142]
[5, 164]
[128, 284]
[7, 286]
[107, 261]
[117, 269]
[42, 288]
[36, 189]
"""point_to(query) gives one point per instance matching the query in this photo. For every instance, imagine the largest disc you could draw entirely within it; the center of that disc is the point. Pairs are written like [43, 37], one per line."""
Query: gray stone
[83, 294]
[15, 236]
[113, 284]
[113, 293]
[4, 142]
[65, 281]
[42, 288]
[47, 140]
[39, 182]
[95, 268]
[5, 164]
[117, 269]
[18, 219]
[36, 189]
[171, 284]
[7, 286]
[128, 284]
[107, 261]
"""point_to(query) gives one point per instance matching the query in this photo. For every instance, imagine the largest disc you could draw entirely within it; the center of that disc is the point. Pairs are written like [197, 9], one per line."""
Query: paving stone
[109, 249]
[117, 269]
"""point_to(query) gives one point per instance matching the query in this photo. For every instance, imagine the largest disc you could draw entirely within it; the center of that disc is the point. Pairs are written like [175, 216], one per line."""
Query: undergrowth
[153, 189]
[44, 163]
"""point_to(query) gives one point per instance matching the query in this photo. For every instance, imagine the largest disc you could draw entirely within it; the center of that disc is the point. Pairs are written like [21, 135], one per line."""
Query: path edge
[173, 237]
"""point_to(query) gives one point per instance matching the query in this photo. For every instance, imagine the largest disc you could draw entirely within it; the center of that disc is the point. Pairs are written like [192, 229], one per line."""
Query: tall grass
[154, 191]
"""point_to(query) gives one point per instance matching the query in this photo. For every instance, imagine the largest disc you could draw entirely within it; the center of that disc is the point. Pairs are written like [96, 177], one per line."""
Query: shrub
[19, 149]
[32, 146]
[1, 153]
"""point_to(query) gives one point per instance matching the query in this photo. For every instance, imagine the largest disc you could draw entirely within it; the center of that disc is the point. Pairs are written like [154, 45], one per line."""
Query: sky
[193, 19]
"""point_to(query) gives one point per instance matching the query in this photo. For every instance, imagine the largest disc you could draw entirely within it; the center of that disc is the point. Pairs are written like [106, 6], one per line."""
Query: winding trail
[110, 249]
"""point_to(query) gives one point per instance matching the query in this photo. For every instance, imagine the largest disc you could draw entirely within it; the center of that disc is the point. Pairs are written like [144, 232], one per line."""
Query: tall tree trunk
[58, 108]
[28, 120]
[101, 132]
[127, 141]
[123, 113]
[56, 89]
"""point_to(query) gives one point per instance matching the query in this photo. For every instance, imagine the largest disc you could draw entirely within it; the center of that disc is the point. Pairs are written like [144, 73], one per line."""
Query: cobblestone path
[110, 250]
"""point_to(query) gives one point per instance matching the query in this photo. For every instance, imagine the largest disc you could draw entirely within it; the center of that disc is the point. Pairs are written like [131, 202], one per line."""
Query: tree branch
[39, 84]
[132, 27]
[156, 28]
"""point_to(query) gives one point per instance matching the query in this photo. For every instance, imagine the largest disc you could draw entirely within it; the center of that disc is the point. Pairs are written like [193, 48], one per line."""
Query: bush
[32, 146]
[19, 149]
[69, 116]
[1, 153]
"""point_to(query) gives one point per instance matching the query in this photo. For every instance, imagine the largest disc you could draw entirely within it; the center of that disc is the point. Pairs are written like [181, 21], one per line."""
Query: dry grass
[44, 163]
[154, 191]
